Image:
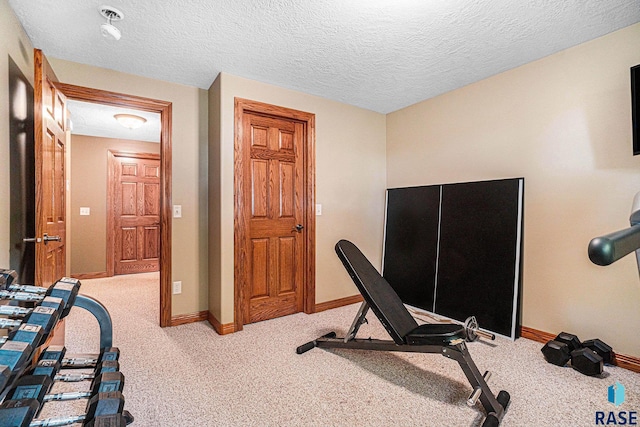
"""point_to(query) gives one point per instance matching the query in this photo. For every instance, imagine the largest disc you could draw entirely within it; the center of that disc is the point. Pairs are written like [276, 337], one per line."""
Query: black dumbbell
[571, 340]
[556, 353]
[583, 360]
[9, 282]
[51, 369]
[14, 311]
[7, 278]
[65, 288]
[104, 367]
[106, 354]
[21, 413]
[603, 350]
[586, 361]
[5, 374]
[112, 420]
[103, 383]
[40, 314]
[14, 354]
[51, 360]
[34, 328]
[558, 350]
[58, 353]
[567, 347]
[37, 386]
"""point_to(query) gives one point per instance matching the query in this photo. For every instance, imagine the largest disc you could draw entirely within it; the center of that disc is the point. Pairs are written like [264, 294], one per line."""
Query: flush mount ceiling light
[130, 121]
[107, 29]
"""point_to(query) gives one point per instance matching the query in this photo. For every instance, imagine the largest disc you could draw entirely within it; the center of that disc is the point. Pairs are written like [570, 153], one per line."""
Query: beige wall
[564, 123]
[215, 206]
[350, 183]
[89, 189]
[15, 44]
[189, 175]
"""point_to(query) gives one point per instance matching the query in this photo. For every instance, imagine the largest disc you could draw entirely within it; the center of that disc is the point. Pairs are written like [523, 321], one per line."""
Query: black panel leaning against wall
[456, 250]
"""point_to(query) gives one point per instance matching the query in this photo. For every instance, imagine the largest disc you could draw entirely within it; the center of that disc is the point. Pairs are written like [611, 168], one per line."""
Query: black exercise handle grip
[608, 249]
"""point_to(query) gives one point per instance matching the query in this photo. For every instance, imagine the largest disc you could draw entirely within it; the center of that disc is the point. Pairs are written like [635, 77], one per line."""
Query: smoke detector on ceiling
[107, 29]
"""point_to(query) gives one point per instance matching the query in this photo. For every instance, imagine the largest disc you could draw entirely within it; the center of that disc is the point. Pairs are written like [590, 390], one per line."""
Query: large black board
[455, 250]
[411, 241]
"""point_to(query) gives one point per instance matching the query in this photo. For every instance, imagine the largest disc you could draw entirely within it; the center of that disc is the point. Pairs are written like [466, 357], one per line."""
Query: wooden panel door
[275, 237]
[50, 116]
[135, 203]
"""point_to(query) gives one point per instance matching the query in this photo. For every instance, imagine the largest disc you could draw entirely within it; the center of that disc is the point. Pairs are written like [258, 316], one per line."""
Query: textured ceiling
[375, 54]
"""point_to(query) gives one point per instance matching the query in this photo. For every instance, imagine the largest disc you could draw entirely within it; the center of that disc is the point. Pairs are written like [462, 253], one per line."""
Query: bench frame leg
[457, 351]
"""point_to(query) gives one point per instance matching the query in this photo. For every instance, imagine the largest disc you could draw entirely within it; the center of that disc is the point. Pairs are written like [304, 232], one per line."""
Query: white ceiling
[97, 120]
[381, 55]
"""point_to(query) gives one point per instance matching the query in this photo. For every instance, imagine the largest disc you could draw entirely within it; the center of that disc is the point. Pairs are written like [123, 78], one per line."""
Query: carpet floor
[190, 376]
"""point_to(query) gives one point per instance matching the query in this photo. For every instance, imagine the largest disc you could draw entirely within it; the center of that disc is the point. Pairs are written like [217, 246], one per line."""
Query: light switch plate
[177, 211]
[318, 210]
[177, 287]
[85, 211]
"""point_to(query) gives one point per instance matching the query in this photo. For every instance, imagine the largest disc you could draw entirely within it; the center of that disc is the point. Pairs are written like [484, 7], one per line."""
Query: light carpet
[190, 376]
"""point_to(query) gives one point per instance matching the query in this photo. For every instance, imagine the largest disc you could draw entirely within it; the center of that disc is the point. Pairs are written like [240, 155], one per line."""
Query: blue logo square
[616, 394]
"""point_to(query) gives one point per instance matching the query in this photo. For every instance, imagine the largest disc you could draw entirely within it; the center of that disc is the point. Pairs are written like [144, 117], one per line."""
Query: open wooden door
[50, 115]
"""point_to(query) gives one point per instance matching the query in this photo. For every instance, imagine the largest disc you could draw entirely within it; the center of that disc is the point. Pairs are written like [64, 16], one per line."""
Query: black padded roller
[608, 249]
[491, 421]
[308, 346]
[503, 399]
[305, 347]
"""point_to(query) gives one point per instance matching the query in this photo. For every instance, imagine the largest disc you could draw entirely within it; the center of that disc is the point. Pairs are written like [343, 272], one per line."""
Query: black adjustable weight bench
[445, 338]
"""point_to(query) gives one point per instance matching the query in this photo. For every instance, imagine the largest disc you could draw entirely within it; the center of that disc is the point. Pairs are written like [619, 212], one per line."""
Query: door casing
[241, 107]
[164, 108]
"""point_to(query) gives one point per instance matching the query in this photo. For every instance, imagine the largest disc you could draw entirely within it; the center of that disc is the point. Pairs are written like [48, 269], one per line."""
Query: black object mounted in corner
[635, 108]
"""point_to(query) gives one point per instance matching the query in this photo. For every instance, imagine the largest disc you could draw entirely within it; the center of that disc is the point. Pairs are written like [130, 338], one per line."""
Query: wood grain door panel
[135, 184]
[50, 144]
[274, 188]
[275, 152]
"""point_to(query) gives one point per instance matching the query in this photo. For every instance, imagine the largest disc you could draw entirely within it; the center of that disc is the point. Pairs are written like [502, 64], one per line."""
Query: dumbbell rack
[29, 361]
[94, 307]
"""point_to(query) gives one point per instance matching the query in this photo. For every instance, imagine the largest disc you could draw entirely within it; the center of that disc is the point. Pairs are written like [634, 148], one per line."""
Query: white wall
[564, 123]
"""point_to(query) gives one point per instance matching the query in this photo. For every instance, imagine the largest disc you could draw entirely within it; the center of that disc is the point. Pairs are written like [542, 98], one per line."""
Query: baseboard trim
[229, 328]
[328, 305]
[535, 335]
[630, 363]
[221, 329]
[87, 276]
[183, 319]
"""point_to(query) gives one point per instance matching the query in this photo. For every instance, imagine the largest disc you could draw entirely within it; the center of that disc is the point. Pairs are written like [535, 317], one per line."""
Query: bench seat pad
[435, 334]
